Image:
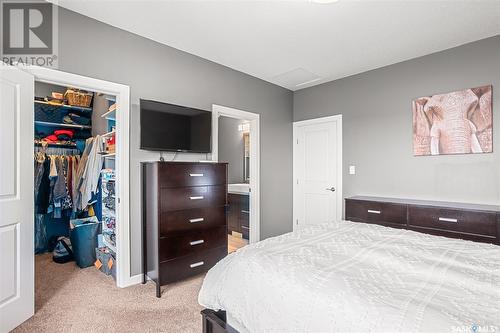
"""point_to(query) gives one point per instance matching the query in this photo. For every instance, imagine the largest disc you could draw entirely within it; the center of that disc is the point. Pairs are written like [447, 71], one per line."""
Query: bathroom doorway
[237, 144]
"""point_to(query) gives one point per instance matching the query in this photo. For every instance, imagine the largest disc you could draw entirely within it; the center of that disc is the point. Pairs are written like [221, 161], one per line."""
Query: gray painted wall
[231, 147]
[43, 89]
[158, 72]
[101, 106]
[377, 126]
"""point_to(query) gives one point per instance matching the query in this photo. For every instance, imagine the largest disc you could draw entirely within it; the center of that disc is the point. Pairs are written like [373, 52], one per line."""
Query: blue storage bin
[83, 236]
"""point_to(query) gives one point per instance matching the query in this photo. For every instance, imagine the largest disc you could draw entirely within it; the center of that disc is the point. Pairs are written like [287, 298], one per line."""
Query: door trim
[339, 189]
[254, 119]
[122, 93]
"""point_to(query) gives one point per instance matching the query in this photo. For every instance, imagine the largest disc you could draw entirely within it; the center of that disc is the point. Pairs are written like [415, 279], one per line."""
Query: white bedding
[356, 277]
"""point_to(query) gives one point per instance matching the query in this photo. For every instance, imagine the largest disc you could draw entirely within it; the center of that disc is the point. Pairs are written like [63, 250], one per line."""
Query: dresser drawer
[181, 268]
[481, 223]
[174, 222]
[192, 242]
[196, 174]
[375, 212]
[192, 197]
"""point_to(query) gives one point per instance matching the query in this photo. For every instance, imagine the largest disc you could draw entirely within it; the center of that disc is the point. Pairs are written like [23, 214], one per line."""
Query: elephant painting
[459, 122]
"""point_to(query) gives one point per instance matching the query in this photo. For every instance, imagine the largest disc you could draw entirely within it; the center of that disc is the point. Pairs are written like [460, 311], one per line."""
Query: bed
[355, 277]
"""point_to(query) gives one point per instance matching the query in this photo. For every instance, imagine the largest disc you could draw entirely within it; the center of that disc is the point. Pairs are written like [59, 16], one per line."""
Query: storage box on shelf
[78, 98]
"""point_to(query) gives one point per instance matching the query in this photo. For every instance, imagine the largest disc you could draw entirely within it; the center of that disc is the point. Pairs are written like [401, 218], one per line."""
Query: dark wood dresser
[480, 223]
[184, 219]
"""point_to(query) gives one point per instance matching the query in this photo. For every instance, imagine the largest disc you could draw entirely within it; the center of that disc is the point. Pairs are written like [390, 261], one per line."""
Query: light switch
[352, 169]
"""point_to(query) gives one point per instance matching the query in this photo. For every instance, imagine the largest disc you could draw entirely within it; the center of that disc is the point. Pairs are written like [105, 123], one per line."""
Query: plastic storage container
[83, 236]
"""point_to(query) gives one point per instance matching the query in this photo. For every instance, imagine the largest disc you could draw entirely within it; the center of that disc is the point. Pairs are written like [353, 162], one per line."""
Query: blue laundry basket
[83, 236]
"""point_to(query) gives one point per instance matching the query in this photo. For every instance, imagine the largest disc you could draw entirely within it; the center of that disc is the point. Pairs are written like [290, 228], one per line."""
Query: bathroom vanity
[239, 209]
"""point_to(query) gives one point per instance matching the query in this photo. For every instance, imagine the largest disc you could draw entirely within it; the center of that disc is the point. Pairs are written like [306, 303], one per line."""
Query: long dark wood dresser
[184, 219]
[480, 223]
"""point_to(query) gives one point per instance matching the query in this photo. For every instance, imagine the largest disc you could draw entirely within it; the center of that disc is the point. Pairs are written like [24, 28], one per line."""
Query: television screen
[169, 127]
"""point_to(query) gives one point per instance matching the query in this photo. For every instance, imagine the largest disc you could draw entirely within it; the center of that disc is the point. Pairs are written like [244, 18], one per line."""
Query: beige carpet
[70, 299]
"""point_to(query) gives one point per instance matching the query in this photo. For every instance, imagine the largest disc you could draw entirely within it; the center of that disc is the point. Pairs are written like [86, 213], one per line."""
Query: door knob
[331, 189]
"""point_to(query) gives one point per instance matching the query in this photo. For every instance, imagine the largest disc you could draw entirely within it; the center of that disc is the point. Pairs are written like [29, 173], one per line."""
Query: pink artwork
[459, 122]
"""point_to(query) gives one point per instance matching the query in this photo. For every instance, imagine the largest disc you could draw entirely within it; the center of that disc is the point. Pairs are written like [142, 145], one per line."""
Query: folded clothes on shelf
[51, 138]
[75, 119]
[67, 132]
[63, 135]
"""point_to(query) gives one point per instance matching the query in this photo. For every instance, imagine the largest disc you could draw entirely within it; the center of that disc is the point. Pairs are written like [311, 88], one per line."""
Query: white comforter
[355, 277]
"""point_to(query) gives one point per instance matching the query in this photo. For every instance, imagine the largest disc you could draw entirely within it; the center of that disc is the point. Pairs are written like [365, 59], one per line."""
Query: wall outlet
[352, 169]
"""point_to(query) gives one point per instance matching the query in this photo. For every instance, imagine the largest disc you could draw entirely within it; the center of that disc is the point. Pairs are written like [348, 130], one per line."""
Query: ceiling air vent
[296, 78]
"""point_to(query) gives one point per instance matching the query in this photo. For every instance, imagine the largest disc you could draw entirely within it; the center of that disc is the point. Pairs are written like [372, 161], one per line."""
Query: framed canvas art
[459, 122]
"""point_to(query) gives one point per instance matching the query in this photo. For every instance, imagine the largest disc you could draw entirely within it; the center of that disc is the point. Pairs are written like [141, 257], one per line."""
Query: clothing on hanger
[89, 169]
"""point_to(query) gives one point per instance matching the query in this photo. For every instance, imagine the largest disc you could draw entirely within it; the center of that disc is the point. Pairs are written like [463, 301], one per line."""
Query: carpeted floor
[70, 299]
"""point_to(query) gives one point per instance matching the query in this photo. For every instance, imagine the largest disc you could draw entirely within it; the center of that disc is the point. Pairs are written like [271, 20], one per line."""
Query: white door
[16, 197]
[317, 171]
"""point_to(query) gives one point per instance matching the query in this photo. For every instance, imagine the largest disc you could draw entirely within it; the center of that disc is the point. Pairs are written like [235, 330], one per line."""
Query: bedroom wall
[231, 147]
[158, 72]
[377, 126]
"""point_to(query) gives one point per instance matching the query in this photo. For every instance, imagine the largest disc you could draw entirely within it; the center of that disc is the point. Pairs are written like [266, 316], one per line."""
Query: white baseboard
[133, 280]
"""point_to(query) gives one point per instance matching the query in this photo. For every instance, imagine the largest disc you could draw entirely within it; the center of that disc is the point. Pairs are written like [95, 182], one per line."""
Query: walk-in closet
[74, 179]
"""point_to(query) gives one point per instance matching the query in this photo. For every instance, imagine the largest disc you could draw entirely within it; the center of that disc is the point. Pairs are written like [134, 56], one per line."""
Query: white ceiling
[297, 44]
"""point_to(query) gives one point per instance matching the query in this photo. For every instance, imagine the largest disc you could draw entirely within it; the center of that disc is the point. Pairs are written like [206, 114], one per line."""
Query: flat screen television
[168, 127]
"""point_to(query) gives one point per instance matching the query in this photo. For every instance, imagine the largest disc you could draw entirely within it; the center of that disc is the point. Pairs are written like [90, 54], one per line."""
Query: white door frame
[254, 119]
[122, 93]
[338, 189]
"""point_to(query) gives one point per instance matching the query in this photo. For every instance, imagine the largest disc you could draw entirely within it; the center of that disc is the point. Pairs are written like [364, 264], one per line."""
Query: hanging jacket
[80, 177]
[42, 200]
[39, 169]
[92, 171]
[60, 184]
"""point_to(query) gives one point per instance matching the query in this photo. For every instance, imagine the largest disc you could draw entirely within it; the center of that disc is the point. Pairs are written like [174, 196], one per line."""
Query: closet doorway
[55, 125]
[236, 139]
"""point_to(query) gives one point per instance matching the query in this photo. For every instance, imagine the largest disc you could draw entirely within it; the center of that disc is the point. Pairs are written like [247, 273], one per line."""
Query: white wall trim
[122, 93]
[254, 119]
[339, 188]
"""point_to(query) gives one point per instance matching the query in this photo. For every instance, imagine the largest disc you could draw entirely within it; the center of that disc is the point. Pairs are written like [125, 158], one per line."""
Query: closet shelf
[64, 106]
[109, 115]
[45, 123]
[108, 134]
[59, 145]
[109, 155]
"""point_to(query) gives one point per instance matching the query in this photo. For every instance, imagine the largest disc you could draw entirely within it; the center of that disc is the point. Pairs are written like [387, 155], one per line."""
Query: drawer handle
[196, 264]
[244, 227]
[446, 219]
[196, 242]
[373, 211]
[201, 219]
[196, 198]
[195, 175]
[245, 211]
